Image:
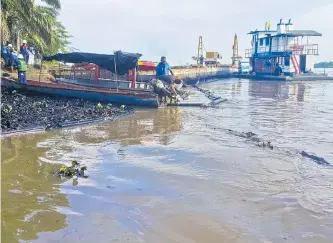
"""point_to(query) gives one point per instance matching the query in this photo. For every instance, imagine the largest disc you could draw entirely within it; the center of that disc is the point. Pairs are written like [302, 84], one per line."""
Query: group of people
[16, 61]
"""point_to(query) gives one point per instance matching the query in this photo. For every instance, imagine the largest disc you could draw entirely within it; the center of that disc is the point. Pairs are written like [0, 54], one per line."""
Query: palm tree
[23, 18]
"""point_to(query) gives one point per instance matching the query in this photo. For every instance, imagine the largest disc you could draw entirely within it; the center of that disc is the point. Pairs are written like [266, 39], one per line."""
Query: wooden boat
[119, 64]
[124, 97]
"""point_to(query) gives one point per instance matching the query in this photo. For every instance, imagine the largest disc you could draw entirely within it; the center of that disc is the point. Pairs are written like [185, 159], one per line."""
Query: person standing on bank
[22, 68]
[24, 51]
[163, 71]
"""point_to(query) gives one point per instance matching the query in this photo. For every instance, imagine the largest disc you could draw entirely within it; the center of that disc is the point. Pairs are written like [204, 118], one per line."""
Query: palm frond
[53, 3]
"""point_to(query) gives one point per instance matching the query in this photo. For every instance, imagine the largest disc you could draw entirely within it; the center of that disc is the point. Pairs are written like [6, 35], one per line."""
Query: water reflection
[269, 89]
[298, 91]
[280, 90]
[236, 88]
[28, 191]
[136, 129]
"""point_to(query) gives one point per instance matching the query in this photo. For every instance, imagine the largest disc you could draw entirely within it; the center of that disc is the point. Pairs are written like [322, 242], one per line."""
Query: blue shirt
[13, 57]
[4, 54]
[24, 51]
[162, 69]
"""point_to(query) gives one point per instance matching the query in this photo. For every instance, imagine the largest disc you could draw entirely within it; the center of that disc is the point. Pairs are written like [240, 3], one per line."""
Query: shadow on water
[29, 194]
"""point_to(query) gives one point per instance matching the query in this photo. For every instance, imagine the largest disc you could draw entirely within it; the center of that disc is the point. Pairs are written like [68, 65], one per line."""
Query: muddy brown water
[177, 175]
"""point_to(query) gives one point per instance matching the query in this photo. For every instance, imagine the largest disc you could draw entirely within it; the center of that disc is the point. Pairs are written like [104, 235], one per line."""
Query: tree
[324, 65]
[36, 23]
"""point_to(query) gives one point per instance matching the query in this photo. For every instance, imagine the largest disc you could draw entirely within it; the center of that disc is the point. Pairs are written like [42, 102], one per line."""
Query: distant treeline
[324, 65]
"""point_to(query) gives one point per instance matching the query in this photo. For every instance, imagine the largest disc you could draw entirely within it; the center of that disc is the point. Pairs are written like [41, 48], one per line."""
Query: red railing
[296, 49]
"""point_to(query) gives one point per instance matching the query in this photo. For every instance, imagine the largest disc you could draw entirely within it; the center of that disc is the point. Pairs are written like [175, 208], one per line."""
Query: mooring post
[97, 73]
[133, 78]
[40, 71]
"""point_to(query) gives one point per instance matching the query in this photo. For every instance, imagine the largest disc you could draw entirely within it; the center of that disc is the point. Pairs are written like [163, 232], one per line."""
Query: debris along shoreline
[27, 112]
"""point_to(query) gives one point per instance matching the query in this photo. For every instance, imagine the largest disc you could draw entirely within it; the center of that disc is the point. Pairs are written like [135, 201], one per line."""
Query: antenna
[280, 21]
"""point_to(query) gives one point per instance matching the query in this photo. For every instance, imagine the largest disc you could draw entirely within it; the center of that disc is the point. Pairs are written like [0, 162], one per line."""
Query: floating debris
[27, 111]
[69, 171]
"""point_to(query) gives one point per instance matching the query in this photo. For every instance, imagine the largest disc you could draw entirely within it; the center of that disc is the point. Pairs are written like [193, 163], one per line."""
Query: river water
[178, 175]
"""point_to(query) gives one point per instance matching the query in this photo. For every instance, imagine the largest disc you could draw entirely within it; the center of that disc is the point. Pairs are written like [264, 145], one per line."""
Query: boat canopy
[120, 62]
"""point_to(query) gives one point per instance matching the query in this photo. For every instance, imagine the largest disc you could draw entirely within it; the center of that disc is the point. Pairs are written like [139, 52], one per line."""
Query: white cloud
[171, 28]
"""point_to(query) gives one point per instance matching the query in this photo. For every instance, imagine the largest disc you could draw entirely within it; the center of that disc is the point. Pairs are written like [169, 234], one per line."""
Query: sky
[172, 28]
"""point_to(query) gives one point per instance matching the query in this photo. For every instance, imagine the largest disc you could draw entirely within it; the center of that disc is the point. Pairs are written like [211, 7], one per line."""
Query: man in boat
[162, 73]
[22, 68]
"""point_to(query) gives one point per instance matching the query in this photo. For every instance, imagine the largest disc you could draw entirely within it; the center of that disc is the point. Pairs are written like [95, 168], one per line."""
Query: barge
[283, 54]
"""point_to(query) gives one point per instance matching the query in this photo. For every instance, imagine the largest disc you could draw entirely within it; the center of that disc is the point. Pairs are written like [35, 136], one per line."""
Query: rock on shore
[26, 110]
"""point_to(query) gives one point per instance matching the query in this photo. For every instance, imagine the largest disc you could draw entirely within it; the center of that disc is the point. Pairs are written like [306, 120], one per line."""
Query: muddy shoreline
[26, 111]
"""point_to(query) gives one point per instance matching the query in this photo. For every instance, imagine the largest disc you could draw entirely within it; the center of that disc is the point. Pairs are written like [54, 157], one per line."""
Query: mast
[200, 50]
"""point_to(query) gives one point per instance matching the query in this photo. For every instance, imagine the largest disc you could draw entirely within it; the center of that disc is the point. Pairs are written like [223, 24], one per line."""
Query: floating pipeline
[253, 137]
[215, 100]
[261, 143]
[211, 104]
[209, 94]
[24, 112]
[318, 160]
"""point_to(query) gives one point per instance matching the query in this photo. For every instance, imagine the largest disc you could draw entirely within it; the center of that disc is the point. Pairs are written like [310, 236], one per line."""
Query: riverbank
[28, 111]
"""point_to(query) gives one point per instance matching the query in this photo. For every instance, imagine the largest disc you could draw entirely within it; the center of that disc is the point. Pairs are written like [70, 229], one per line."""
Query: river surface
[178, 175]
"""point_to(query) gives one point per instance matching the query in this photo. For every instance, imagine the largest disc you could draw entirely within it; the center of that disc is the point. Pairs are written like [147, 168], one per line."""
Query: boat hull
[123, 97]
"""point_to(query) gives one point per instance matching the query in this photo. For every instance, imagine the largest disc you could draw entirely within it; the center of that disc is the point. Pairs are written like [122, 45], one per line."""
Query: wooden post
[40, 71]
[133, 78]
[97, 73]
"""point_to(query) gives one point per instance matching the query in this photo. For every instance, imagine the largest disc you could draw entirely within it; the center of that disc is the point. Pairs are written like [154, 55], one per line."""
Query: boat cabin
[284, 50]
[118, 71]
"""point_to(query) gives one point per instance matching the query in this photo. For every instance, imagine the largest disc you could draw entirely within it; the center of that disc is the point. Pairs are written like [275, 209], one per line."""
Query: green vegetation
[38, 24]
[324, 65]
